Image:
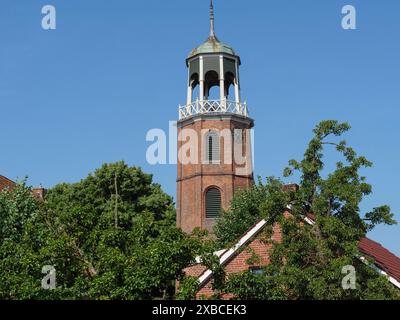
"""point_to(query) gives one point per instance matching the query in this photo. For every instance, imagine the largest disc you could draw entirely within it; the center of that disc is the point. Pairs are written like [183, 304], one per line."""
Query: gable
[6, 183]
[235, 259]
[384, 259]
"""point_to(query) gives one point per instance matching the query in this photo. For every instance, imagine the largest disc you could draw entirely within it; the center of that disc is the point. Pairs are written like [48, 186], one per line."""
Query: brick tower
[214, 145]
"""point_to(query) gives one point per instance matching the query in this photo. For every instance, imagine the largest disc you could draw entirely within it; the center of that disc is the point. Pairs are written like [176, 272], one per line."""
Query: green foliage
[113, 235]
[249, 286]
[188, 288]
[16, 208]
[308, 262]
[110, 236]
[341, 192]
[248, 207]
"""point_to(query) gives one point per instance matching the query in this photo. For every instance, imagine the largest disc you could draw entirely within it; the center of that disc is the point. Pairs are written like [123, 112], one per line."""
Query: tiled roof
[6, 183]
[384, 259]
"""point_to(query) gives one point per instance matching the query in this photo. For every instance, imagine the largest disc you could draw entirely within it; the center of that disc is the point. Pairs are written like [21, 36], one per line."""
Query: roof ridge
[389, 267]
[9, 180]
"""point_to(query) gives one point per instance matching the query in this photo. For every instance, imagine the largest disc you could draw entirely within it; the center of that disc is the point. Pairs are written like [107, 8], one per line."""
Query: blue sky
[88, 92]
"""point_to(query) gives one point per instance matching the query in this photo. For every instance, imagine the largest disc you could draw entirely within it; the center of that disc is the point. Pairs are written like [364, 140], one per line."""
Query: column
[189, 100]
[189, 95]
[222, 83]
[237, 88]
[201, 79]
[237, 91]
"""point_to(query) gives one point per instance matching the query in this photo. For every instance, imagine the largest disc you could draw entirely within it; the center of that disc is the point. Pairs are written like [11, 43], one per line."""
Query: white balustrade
[212, 107]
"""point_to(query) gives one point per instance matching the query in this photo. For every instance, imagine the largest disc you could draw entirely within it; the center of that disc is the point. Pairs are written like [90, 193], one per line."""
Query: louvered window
[213, 203]
[257, 270]
[212, 147]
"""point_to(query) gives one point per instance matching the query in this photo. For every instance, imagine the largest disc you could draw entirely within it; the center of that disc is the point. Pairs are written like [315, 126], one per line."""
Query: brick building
[214, 140]
[6, 183]
[239, 258]
[211, 133]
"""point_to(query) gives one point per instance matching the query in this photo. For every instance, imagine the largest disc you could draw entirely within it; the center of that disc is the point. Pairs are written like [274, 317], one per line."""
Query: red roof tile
[384, 259]
[6, 183]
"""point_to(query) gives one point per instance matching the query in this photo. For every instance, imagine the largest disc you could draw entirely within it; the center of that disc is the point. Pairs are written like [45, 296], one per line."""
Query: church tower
[214, 145]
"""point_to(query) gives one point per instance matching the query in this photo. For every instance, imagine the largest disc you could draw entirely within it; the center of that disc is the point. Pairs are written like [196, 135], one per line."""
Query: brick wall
[39, 193]
[6, 183]
[239, 262]
[195, 179]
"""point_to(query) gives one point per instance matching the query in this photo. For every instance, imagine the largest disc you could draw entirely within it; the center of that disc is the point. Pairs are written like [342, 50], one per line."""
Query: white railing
[212, 106]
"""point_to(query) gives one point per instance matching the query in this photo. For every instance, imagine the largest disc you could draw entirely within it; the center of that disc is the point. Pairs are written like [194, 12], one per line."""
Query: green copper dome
[212, 45]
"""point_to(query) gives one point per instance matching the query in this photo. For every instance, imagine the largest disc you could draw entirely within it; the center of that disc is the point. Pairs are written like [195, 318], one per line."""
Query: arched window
[213, 203]
[211, 82]
[229, 81]
[194, 87]
[212, 151]
[213, 93]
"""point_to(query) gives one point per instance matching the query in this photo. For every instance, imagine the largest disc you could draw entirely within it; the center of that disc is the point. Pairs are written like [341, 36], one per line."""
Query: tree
[17, 208]
[110, 236]
[248, 207]
[308, 262]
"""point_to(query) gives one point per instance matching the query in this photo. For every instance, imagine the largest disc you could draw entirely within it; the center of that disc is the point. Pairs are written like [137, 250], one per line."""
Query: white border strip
[228, 254]
[380, 271]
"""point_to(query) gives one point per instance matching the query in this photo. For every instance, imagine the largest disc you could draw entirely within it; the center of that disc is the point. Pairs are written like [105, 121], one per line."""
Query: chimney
[291, 187]
[39, 193]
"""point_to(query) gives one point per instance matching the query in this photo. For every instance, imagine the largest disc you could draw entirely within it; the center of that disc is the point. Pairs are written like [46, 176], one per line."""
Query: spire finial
[212, 30]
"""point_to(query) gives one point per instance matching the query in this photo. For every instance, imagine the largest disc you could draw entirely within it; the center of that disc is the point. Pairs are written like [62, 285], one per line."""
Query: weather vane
[212, 30]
